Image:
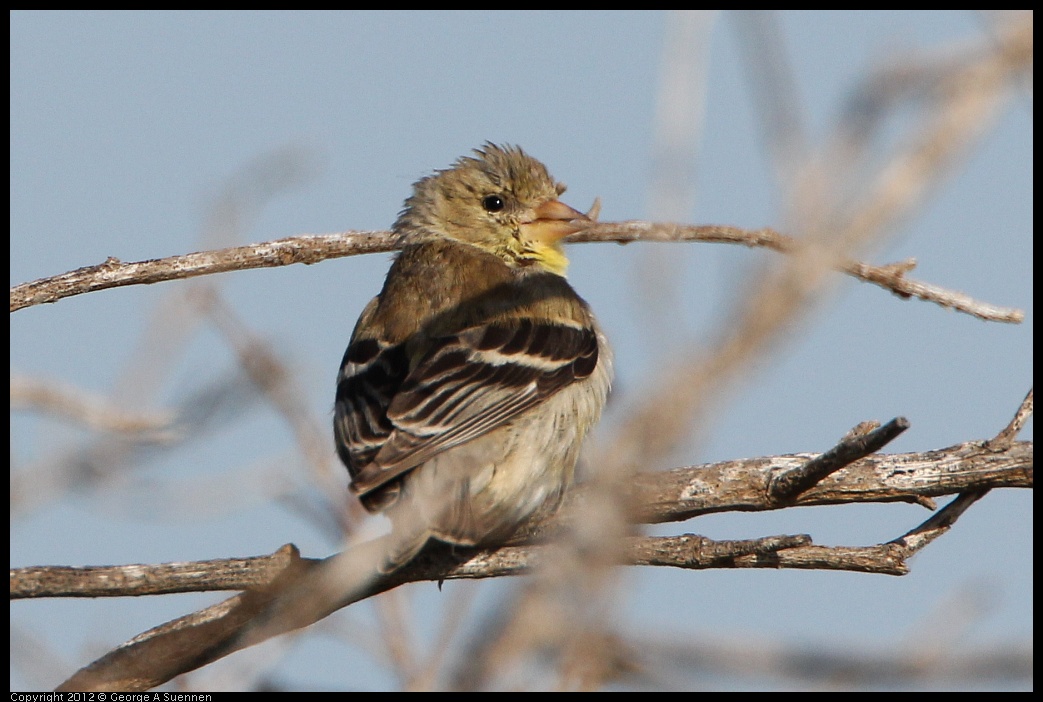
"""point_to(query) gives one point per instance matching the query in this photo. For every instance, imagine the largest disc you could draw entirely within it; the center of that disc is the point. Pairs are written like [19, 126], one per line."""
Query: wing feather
[466, 385]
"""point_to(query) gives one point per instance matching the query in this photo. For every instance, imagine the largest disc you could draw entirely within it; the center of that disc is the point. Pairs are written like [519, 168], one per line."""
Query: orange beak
[553, 221]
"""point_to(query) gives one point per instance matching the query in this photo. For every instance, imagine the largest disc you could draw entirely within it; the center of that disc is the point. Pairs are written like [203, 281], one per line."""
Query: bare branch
[893, 278]
[676, 495]
[843, 205]
[142, 579]
[1006, 437]
[860, 442]
[939, 523]
[302, 591]
[743, 485]
[282, 252]
[309, 249]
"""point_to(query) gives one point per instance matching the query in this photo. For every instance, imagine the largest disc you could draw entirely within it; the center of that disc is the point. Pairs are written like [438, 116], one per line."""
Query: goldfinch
[472, 378]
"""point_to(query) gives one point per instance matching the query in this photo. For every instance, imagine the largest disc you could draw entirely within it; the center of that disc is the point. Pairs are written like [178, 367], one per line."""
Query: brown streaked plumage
[473, 377]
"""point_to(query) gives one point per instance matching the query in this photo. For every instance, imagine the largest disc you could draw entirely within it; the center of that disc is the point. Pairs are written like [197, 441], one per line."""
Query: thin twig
[1005, 438]
[787, 485]
[939, 523]
[309, 249]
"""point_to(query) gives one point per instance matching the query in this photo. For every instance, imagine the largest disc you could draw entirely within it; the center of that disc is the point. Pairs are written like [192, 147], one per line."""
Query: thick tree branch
[305, 591]
[668, 496]
[302, 591]
[744, 485]
[284, 592]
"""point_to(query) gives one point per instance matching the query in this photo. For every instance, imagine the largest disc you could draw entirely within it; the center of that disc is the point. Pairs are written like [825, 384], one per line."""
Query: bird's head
[501, 200]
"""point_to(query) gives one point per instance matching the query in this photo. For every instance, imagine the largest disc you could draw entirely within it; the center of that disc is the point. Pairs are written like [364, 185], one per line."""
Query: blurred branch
[669, 496]
[776, 90]
[848, 197]
[958, 95]
[206, 408]
[812, 666]
[253, 616]
[168, 330]
[284, 592]
[275, 379]
[74, 404]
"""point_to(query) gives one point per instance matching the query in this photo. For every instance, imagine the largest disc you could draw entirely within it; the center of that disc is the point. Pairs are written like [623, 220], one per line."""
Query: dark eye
[493, 203]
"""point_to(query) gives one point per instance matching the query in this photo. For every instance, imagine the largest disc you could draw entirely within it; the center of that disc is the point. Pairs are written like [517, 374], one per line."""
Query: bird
[472, 378]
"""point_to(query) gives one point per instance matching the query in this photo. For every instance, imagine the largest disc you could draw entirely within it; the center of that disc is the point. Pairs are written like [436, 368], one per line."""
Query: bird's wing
[371, 373]
[466, 385]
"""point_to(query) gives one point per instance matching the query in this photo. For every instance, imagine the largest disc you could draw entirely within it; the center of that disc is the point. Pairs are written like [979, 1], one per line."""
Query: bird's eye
[493, 203]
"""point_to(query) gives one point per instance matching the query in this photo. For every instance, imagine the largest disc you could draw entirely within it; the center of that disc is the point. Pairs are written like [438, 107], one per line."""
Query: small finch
[472, 378]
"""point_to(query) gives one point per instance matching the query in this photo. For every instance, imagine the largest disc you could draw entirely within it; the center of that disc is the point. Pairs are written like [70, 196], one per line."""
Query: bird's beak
[552, 221]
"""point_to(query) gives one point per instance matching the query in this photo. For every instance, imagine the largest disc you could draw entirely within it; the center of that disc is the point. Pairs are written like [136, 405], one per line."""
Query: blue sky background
[126, 126]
